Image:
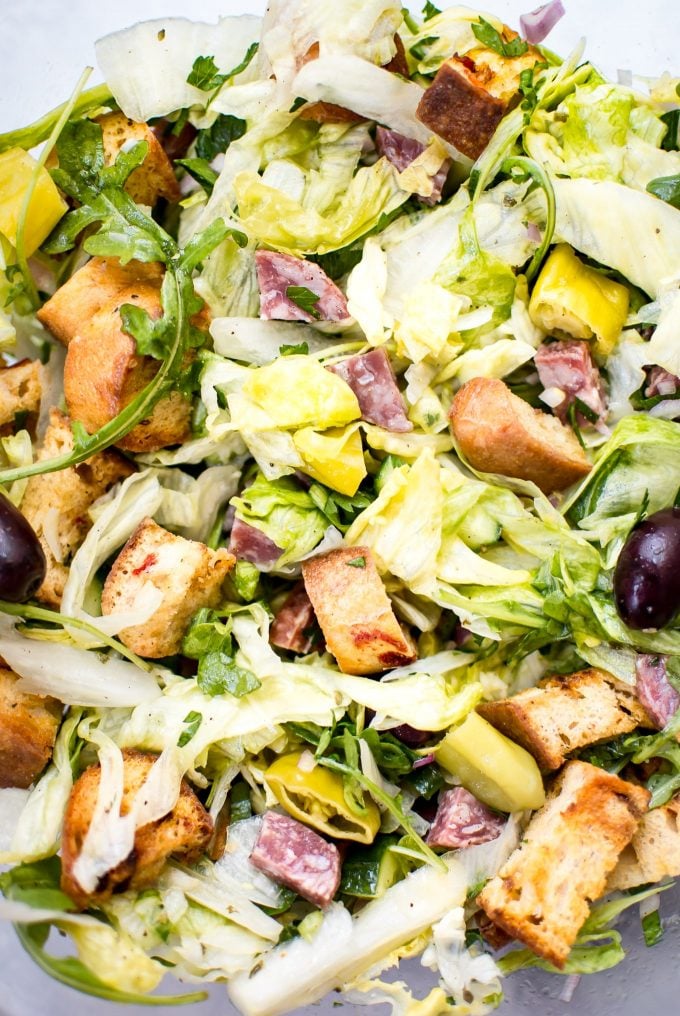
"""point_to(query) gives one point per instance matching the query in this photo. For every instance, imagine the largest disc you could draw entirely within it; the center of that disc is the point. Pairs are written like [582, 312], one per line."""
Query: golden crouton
[20, 391]
[56, 504]
[498, 432]
[188, 573]
[654, 851]
[28, 729]
[184, 832]
[563, 714]
[471, 94]
[155, 178]
[103, 371]
[355, 613]
[541, 895]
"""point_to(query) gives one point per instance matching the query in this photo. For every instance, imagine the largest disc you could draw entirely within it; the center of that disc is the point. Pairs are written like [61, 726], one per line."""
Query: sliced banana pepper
[46, 207]
[317, 798]
[574, 300]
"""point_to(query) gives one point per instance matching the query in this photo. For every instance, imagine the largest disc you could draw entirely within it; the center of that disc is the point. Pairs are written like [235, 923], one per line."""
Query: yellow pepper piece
[297, 391]
[492, 767]
[317, 798]
[47, 205]
[334, 457]
[576, 301]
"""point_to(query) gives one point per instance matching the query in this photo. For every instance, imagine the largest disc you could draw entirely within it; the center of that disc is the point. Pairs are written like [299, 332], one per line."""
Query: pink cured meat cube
[250, 544]
[370, 377]
[463, 821]
[297, 857]
[569, 366]
[291, 626]
[276, 273]
[654, 690]
[402, 151]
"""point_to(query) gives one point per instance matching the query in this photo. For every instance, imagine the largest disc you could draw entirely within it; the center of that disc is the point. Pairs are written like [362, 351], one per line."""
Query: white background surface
[44, 45]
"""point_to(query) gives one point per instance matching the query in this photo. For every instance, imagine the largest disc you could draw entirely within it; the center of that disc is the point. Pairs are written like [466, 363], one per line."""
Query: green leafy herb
[338, 262]
[419, 50]
[426, 781]
[356, 562]
[293, 350]
[671, 141]
[192, 722]
[305, 299]
[339, 509]
[240, 807]
[201, 171]
[205, 75]
[492, 38]
[299, 102]
[640, 402]
[652, 928]
[430, 11]
[246, 580]
[667, 188]
[207, 634]
[217, 674]
[538, 174]
[217, 138]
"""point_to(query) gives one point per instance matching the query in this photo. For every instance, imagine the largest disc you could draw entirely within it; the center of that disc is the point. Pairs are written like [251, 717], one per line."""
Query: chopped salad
[340, 511]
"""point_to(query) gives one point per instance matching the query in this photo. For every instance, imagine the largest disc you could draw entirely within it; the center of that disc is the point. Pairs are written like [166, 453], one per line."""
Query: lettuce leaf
[285, 512]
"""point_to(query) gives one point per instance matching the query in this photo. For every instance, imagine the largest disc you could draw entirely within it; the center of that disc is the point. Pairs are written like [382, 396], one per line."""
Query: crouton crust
[58, 503]
[28, 730]
[563, 714]
[189, 574]
[103, 371]
[498, 432]
[654, 851]
[155, 178]
[541, 895]
[20, 390]
[355, 613]
[471, 94]
[184, 832]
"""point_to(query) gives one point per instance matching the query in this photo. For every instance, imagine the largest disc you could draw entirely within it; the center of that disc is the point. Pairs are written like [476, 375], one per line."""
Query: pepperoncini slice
[317, 798]
[46, 206]
[574, 300]
[297, 391]
[334, 457]
[497, 771]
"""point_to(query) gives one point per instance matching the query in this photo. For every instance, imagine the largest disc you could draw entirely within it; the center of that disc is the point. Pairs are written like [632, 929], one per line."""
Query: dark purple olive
[647, 575]
[411, 737]
[22, 562]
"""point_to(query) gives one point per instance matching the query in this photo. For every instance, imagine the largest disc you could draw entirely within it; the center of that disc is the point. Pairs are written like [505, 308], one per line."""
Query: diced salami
[654, 690]
[276, 273]
[463, 821]
[297, 857]
[401, 152]
[293, 625]
[661, 382]
[569, 367]
[250, 544]
[371, 379]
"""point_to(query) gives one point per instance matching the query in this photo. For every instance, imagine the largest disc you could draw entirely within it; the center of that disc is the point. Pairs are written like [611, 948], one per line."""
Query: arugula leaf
[485, 33]
[201, 171]
[217, 138]
[293, 350]
[338, 262]
[192, 722]
[207, 634]
[671, 141]
[667, 188]
[240, 806]
[430, 11]
[305, 299]
[217, 673]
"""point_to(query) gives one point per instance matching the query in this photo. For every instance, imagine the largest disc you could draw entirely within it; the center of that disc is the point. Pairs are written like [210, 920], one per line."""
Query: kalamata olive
[22, 561]
[647, 575]
[411, 737]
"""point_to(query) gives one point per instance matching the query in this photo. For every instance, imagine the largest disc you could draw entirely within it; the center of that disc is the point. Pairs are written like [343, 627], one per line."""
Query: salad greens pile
[498, 583]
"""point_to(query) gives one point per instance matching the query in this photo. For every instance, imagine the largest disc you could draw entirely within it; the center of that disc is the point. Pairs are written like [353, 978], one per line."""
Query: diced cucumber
[478, 528]
[368, 873]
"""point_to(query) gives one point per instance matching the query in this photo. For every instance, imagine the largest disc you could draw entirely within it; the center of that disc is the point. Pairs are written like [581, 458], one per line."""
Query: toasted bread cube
[28, 729]
[654, 851]
[56, 504]
[500, 433]
[541, 895]
[184, 832]
[103, 371]
[20, 391]
[471, 94]
[155, 178]
[355, 613]
[188, 573]
[563, 714]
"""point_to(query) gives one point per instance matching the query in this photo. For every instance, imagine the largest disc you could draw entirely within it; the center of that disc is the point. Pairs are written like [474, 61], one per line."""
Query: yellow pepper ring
[317, 798]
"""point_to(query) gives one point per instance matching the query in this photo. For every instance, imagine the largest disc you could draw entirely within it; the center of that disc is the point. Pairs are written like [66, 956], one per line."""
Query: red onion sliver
[424, 761]
[537, 24]
[533, 232]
